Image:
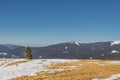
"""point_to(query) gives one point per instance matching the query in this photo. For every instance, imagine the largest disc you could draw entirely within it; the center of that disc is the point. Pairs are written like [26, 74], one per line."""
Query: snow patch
[115, 43]
[113, 77]
[114, 51]
[68, 67]
[3, 53]
[114, 62]
[66, 50]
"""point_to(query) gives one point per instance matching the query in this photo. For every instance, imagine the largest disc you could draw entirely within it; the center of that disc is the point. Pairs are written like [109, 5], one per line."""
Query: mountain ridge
[67, 50]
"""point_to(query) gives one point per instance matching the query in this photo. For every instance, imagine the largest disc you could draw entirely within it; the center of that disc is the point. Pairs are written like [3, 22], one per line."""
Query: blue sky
[44, 22]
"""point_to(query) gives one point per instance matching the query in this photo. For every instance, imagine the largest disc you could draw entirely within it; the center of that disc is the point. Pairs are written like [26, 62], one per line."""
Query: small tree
[28, 54]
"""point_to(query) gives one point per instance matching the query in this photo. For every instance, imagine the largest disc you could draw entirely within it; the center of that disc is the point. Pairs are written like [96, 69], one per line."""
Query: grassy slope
[84, 70]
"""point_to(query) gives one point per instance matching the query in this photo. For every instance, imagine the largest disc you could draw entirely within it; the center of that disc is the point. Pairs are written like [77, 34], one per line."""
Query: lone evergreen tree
[28, 54]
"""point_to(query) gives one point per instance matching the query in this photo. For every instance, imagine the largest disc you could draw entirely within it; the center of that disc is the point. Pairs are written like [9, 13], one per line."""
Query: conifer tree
[28, 54]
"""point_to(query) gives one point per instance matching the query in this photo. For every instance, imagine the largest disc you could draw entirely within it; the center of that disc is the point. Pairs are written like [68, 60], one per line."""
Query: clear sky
[43, 22]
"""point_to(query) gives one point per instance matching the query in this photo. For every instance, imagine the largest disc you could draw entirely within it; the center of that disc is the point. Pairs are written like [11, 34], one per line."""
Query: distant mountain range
[68, 50]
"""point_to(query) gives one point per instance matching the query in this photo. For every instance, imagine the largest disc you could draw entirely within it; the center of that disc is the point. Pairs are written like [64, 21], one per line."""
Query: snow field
[28, 68]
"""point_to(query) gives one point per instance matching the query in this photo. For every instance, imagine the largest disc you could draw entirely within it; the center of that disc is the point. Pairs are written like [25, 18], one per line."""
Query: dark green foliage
[28, 54]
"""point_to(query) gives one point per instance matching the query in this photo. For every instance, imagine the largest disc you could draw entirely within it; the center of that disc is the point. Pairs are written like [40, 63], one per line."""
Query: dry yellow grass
[85, 70]
[1, 64]
[17, 62]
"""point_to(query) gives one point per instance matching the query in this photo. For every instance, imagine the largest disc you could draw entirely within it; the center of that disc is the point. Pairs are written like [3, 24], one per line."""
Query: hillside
[69, 50]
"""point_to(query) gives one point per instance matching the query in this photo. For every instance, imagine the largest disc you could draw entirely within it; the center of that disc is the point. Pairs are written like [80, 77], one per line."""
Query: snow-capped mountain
[74, 42]
[68, 50]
